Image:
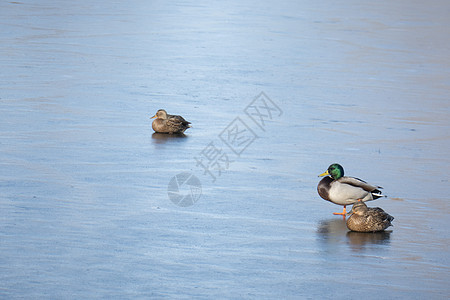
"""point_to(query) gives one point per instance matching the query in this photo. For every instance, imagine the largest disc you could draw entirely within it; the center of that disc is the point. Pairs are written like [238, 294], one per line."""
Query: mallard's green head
[336, 171]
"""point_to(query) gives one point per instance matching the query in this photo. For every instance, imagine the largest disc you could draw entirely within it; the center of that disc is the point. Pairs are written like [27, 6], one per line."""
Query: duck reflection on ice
[162, 138]
[358, 240]
[335, 231]
[332, 231]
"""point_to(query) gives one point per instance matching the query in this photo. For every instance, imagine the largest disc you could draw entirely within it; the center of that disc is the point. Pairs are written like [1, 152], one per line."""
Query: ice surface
[84, 205]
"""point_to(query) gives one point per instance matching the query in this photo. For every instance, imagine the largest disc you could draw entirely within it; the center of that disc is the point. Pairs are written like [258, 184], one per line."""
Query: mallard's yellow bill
[153, 117]
[324, 173]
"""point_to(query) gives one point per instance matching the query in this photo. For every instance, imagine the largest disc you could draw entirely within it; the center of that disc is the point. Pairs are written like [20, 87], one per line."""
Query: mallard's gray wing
[359, 183]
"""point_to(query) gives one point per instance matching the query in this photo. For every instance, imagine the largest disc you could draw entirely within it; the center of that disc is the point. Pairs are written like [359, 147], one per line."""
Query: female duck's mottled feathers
[368, 219]
[166, 123]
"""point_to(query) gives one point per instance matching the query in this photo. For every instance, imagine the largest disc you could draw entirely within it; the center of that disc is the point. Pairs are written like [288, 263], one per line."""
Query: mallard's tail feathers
[377, 194]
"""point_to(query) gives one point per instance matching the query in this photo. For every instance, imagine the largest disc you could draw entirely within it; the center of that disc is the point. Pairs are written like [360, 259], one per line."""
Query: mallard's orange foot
[343, 213]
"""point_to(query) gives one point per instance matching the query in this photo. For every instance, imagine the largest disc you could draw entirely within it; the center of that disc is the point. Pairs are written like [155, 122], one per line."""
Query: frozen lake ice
[88, 191]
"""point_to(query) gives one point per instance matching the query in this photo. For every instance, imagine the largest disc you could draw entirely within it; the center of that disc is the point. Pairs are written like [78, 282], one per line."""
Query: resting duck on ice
[166, 123]
[368, 219]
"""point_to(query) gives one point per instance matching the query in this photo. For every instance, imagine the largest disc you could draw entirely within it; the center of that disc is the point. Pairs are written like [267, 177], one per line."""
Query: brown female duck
[166, 123]
[368, 219]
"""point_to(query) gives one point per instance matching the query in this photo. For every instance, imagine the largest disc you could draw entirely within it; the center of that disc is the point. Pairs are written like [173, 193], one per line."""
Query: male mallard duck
[345, 190]
[166, 123]
[368, 219]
